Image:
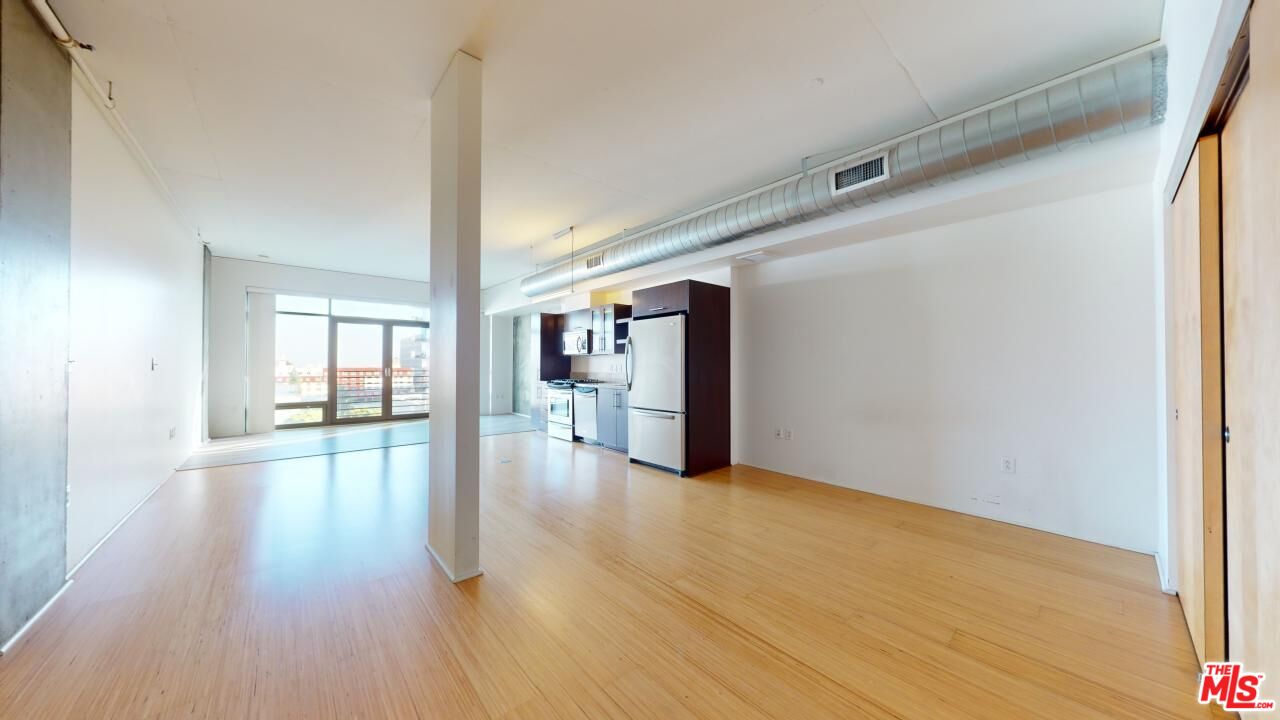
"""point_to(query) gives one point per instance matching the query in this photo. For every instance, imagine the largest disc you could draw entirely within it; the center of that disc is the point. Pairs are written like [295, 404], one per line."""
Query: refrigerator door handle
[628, 362]
[650, 413]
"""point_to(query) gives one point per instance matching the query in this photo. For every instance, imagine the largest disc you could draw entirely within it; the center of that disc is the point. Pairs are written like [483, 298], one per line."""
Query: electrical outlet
[173, 433]
[777, 433]
[1008, 465]
[787, 433]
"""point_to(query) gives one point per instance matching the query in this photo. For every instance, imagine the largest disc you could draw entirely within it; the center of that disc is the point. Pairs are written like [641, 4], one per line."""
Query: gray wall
[523, 369]
[35, 242]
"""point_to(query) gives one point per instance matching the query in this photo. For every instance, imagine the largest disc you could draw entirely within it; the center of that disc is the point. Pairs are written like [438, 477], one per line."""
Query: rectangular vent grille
[595, 261]
[856, 176]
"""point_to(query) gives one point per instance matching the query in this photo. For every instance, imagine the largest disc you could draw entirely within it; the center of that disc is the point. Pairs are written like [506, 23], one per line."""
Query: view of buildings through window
[367, 375]
[302, 366]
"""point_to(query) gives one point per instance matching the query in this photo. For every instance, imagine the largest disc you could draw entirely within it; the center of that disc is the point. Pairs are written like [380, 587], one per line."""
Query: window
[308, 415]
[380, 351]
[380, 311]
[302, 369]
[351, 308]
[410, 370]
[302, 358]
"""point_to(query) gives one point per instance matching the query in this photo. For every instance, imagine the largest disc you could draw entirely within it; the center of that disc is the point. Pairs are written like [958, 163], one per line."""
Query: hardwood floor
[301, 589]
[304, 442]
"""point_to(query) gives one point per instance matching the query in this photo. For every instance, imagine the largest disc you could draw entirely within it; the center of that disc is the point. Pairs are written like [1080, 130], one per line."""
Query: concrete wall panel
[35, 243]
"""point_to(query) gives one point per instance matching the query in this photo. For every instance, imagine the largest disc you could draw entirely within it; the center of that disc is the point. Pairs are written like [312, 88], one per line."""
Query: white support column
[737, 281]
[453, 530]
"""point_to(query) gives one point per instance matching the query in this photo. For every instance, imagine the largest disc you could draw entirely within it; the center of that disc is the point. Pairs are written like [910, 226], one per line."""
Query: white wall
[232, 279]
[909, 366]
[135, 296]
[1198, 35]
[599, 367]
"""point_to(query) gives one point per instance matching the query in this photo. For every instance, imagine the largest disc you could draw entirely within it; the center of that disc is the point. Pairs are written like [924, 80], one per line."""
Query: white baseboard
[449, 571]
[1165, 586]
[22, 630]
[115, 527]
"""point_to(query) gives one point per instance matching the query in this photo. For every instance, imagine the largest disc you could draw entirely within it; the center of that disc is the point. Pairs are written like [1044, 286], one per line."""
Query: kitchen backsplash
[599, 367]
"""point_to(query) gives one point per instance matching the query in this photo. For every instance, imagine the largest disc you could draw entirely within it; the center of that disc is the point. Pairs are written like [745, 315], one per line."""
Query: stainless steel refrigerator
[655, 364]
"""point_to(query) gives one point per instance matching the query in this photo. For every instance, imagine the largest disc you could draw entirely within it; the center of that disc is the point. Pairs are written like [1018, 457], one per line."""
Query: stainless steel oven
[560, 412]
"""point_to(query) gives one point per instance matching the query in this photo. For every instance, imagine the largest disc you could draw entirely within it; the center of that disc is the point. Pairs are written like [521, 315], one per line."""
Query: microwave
[576, 342]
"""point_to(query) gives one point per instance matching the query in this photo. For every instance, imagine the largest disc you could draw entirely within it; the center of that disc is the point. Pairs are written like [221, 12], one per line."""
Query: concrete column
[453, 530]
[35, 248]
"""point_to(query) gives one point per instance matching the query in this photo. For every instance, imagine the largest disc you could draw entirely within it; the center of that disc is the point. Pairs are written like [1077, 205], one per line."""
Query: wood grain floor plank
[300, 589]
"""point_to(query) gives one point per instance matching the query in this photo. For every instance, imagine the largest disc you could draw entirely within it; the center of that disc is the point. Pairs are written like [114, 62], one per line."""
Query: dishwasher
[584, 413]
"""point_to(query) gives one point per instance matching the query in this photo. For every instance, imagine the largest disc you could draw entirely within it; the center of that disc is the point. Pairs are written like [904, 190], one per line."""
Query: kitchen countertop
[621, 384]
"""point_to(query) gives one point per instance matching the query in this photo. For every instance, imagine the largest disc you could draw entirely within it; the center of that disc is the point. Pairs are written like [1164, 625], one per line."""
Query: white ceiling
[296, 129]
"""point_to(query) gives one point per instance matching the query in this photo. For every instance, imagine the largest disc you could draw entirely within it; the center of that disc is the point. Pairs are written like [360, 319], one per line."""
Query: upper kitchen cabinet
[578, 320]
[660, 300]
[609, 325]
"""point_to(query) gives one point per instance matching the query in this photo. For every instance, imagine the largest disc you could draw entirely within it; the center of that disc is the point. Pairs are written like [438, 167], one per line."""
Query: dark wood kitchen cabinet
[661, 299]
[553, 364]
[611, 418]
[706, 375]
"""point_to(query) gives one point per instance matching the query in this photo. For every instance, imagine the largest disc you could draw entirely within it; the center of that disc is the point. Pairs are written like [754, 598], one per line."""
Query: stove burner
[570, 382]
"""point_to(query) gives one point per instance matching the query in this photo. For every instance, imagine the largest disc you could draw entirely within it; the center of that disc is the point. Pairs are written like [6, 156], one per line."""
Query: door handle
[660, 307]
[650, 413]
[627, 355]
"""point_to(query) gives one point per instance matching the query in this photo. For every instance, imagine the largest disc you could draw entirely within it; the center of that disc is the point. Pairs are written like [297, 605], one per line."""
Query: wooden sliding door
[1198, 488]
[1251, 292]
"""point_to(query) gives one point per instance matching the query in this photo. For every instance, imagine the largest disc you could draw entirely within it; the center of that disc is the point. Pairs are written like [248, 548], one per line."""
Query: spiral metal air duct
[1114, 99]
